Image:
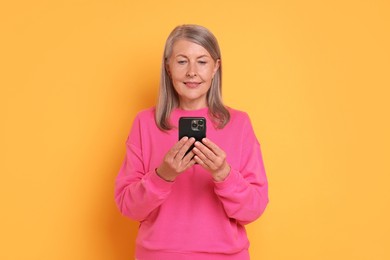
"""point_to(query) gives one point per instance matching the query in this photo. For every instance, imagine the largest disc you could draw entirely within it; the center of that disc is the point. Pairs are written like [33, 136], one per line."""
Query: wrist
[158, 172]
[222, 174]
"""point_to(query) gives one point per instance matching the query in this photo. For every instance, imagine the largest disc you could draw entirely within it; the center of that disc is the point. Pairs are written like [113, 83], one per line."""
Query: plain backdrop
[312, 75]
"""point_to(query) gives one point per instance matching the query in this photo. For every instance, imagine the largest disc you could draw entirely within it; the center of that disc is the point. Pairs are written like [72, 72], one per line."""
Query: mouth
[191, 84]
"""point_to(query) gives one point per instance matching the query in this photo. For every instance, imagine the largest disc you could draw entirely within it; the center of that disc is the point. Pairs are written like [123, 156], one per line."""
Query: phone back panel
[192, 127]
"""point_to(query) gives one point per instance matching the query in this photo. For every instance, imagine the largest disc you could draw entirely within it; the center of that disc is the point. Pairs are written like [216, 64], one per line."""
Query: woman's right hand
[174, 162]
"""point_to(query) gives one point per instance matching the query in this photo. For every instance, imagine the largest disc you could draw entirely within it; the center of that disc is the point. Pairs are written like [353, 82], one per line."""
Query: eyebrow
[202, 56]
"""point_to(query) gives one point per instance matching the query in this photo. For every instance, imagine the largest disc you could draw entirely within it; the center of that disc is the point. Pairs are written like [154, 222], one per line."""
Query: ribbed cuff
[229, 183]
[158, 183]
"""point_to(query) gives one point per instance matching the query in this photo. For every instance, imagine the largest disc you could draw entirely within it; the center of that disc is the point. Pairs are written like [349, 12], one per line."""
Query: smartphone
[192, 127]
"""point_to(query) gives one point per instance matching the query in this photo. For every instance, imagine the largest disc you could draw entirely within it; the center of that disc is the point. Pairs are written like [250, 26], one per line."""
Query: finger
[206, 161]
[212, 146]
[175, 149]
[205, 150]
[187, 158]
[200, 162]
[215, 156]
[190, 164]
[184, 148]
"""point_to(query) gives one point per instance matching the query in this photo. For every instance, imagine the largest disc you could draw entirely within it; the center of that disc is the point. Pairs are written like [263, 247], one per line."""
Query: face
[191, 69]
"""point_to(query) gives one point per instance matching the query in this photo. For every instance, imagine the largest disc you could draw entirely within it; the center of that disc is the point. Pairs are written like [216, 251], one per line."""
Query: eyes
[183, 62]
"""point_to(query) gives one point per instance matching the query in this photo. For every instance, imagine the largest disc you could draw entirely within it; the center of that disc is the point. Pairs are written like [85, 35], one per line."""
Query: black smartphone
[192, 127]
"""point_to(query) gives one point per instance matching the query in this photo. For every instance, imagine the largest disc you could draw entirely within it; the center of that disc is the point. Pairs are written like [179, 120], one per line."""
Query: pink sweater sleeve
[137, 192]
[244, 193]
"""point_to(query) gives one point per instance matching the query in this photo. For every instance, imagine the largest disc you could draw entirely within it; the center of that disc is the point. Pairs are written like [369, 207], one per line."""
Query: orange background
[313, 76]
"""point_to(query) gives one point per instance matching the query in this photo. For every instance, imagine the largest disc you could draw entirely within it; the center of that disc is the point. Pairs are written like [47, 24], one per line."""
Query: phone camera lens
[200, 122]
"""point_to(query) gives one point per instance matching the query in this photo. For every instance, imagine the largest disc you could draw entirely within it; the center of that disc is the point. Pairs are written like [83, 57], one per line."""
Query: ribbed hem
[144, 254]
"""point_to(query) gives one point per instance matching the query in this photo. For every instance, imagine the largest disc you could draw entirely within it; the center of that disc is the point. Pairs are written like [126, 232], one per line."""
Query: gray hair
[168, 99]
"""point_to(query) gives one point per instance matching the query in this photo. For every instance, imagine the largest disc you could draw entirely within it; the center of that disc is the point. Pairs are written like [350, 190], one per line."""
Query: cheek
[208, 74]
[177, 73]
[176, 80]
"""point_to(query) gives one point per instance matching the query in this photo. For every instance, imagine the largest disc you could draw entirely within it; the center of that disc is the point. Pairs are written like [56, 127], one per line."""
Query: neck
[192, 106]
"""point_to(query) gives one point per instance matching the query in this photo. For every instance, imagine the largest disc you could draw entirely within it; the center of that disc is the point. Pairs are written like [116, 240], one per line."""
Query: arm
[242, 191]
[137, 192]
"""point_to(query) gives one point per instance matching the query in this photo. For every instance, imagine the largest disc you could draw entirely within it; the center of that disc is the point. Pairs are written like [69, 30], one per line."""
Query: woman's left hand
[212, 158]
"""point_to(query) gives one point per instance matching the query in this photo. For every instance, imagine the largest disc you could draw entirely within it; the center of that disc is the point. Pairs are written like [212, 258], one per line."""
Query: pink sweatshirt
[193, 217]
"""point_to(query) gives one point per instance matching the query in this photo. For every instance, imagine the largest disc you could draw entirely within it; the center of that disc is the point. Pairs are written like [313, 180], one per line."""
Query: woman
[192, 205]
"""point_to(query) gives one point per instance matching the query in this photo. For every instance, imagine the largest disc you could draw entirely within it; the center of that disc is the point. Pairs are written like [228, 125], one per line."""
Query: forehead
[188, 48]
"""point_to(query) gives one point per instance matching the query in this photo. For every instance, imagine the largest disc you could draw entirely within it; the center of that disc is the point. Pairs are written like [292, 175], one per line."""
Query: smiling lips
[192, 84]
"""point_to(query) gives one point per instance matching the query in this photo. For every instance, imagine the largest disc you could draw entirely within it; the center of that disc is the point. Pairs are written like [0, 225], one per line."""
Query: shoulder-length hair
[168, 98]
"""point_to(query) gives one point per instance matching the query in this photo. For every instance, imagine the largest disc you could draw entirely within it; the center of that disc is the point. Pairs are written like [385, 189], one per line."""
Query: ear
[216, 66]
[167, 69]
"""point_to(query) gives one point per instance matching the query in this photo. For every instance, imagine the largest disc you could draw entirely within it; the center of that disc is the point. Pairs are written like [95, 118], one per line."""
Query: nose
[191, 72]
